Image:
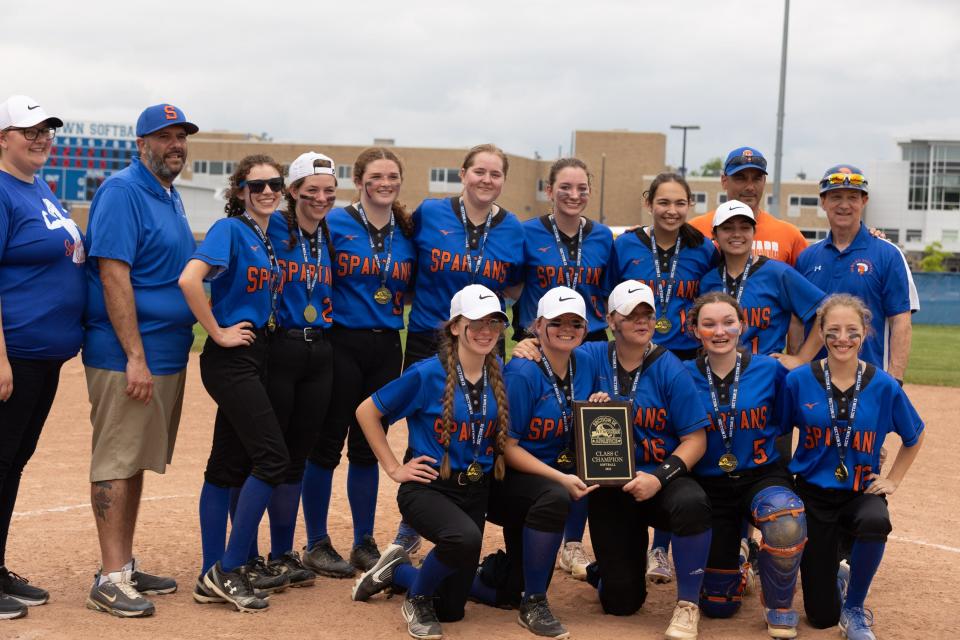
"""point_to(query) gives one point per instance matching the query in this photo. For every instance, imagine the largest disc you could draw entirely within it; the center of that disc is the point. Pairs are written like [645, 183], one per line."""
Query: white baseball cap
[732, 209]
[475, 301]
[309, 164]
[22, 112]
[561, 300]
[627, 295]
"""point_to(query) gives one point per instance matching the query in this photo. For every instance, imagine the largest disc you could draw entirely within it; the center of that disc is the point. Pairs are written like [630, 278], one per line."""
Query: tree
[711, 168]
[933, 257]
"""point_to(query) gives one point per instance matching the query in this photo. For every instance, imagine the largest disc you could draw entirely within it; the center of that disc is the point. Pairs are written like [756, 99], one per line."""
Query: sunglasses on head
[257, 186]
[852, 179]
[755, 161]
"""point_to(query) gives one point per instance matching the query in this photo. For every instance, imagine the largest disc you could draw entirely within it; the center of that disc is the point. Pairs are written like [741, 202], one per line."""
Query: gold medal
[663, 325]
[309, 313]
[841, 473]
[565, 460]
[728, 462]
[474, 472]
[382, 295]
[271, 323]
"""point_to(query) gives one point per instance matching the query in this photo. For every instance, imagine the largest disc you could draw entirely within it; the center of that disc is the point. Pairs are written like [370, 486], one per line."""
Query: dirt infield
[53, 542]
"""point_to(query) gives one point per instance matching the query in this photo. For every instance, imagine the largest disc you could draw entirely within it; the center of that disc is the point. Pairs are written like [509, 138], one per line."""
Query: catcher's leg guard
[778, 514]
[722, 591]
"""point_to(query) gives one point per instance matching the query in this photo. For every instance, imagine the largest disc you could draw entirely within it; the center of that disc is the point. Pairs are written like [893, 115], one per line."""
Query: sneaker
[235, 587]
[410, 542]
[150, 585]
[365, 555]
[843, 579]
[536, 617]
[11, 608]
[781, 623]
[855, 624]
[20, 589]
[265, 577]
[203, 595]
[659, 570]
[683, 625]
[291, 564]
[421, 618]
[117, 596]
[323, 559]
[574, 560]
[380, 575]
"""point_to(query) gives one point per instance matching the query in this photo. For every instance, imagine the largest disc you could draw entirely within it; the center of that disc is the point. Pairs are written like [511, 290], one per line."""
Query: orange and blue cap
[161, 116]
[744, 158]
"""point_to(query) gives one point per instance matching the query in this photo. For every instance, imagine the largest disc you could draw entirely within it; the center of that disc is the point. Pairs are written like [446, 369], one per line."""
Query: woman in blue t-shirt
[42, 295]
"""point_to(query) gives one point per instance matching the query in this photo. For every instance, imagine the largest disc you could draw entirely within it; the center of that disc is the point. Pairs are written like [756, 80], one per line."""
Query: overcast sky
[523, 74]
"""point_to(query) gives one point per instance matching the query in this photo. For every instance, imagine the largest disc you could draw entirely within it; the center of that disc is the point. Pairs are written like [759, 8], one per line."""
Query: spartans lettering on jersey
[758, 317]
[543, 428]
[755, 418]
[862, 441]
[349, 264]
[441, 260]
[550, 276]
[651, 418]
[463, 431]
[685, 288]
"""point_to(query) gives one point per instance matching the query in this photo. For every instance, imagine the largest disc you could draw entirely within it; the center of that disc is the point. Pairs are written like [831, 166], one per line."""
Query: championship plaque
[603, 436]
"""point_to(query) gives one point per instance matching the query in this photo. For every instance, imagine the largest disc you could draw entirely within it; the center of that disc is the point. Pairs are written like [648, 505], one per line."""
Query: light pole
[683, 159]
[778, 153]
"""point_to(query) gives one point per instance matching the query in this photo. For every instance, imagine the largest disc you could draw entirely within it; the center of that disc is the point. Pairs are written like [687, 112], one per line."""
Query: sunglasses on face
[257, 186]
[755, 161]
[852, 179]
[576, 325]
[43, 133]
[493, 324]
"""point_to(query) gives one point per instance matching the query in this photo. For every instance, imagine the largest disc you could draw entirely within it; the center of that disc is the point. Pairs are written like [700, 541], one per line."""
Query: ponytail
[503, 413]
[448, 355]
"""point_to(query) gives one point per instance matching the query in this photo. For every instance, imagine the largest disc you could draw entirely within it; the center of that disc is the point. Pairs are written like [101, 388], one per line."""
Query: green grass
[933, 358]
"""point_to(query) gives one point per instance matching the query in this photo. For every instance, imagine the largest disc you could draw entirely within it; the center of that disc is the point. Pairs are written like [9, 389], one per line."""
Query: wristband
[670, 470]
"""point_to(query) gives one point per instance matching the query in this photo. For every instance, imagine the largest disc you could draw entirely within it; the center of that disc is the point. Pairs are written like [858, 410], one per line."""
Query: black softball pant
[247, 438]
[299, 386]
[618, 529]
[451, 516]
[831, 512]
[21, 421]
[363, 361]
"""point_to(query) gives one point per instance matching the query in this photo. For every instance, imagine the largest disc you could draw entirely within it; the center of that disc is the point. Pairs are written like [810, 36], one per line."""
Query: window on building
[228, 168]
[814, 235]
[949, 235]
[344, 172]
[914, 235]
[934, 175]
[444, 180]
[893, 235]
[721, 197]
[541, 190]
[216, 167]
[199, 166]
[804, 201]
[700, 201]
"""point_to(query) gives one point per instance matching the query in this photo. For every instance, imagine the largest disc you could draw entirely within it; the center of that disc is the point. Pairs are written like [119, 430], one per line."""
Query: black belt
[307, 334]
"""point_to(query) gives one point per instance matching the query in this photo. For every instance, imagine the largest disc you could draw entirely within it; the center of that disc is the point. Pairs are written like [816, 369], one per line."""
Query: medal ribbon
[476, 435]
[563, 253]
[663, 296]
[842, 450]
[636, 376]
[318, 239]
[565, 409]
[466, 241]
[383, 267]
[727, 435]
[743, 279]
[275, 272]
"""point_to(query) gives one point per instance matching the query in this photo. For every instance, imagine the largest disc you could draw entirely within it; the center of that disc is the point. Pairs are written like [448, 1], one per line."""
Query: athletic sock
[404, 575]
[405, 530]
[661, 539]
[576, 521]
[283, 508]
[214, 506]
[539, 555]
[432, 573]
[363, 480]
[317, 484]
[689, 559]
[251, 504]
[254, 543]
[864, 561]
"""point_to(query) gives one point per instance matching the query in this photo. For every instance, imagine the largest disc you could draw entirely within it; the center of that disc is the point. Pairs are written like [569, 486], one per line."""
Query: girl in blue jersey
[566, 248]
[241, 262]
[456, 408]
[533, 501]
[374, 259]
[741, 471]
[771, 293]
[844, 409]
[42, 296]
[668, 428]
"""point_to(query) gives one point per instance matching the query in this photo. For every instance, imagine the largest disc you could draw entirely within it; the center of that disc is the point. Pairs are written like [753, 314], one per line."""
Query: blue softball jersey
[871, 269]
[417, 395]
[633, 260]
[240, 280]
[543, 269]
[442, 264]
[356, 274]
[755, 427]
[774, 292]
[536, 419]
[134, 219]
[42, 284]
[297, 271]
[667, 405]
[883, 408]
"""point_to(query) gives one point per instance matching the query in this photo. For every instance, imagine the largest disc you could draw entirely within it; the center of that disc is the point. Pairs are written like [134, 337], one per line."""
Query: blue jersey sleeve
[117, 217]
[786, 402]
[780, 378]
[217, 247]
[520, 396]
[800, 295]
[896, 286]
[403, 396]
[684, 406]
[906, 421]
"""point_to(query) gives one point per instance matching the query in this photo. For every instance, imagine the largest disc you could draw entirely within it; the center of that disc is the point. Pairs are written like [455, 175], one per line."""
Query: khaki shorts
[129, 436]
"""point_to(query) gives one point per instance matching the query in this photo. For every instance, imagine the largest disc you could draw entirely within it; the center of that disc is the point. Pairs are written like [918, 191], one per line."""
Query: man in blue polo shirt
[138, 338]
[850, 260]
